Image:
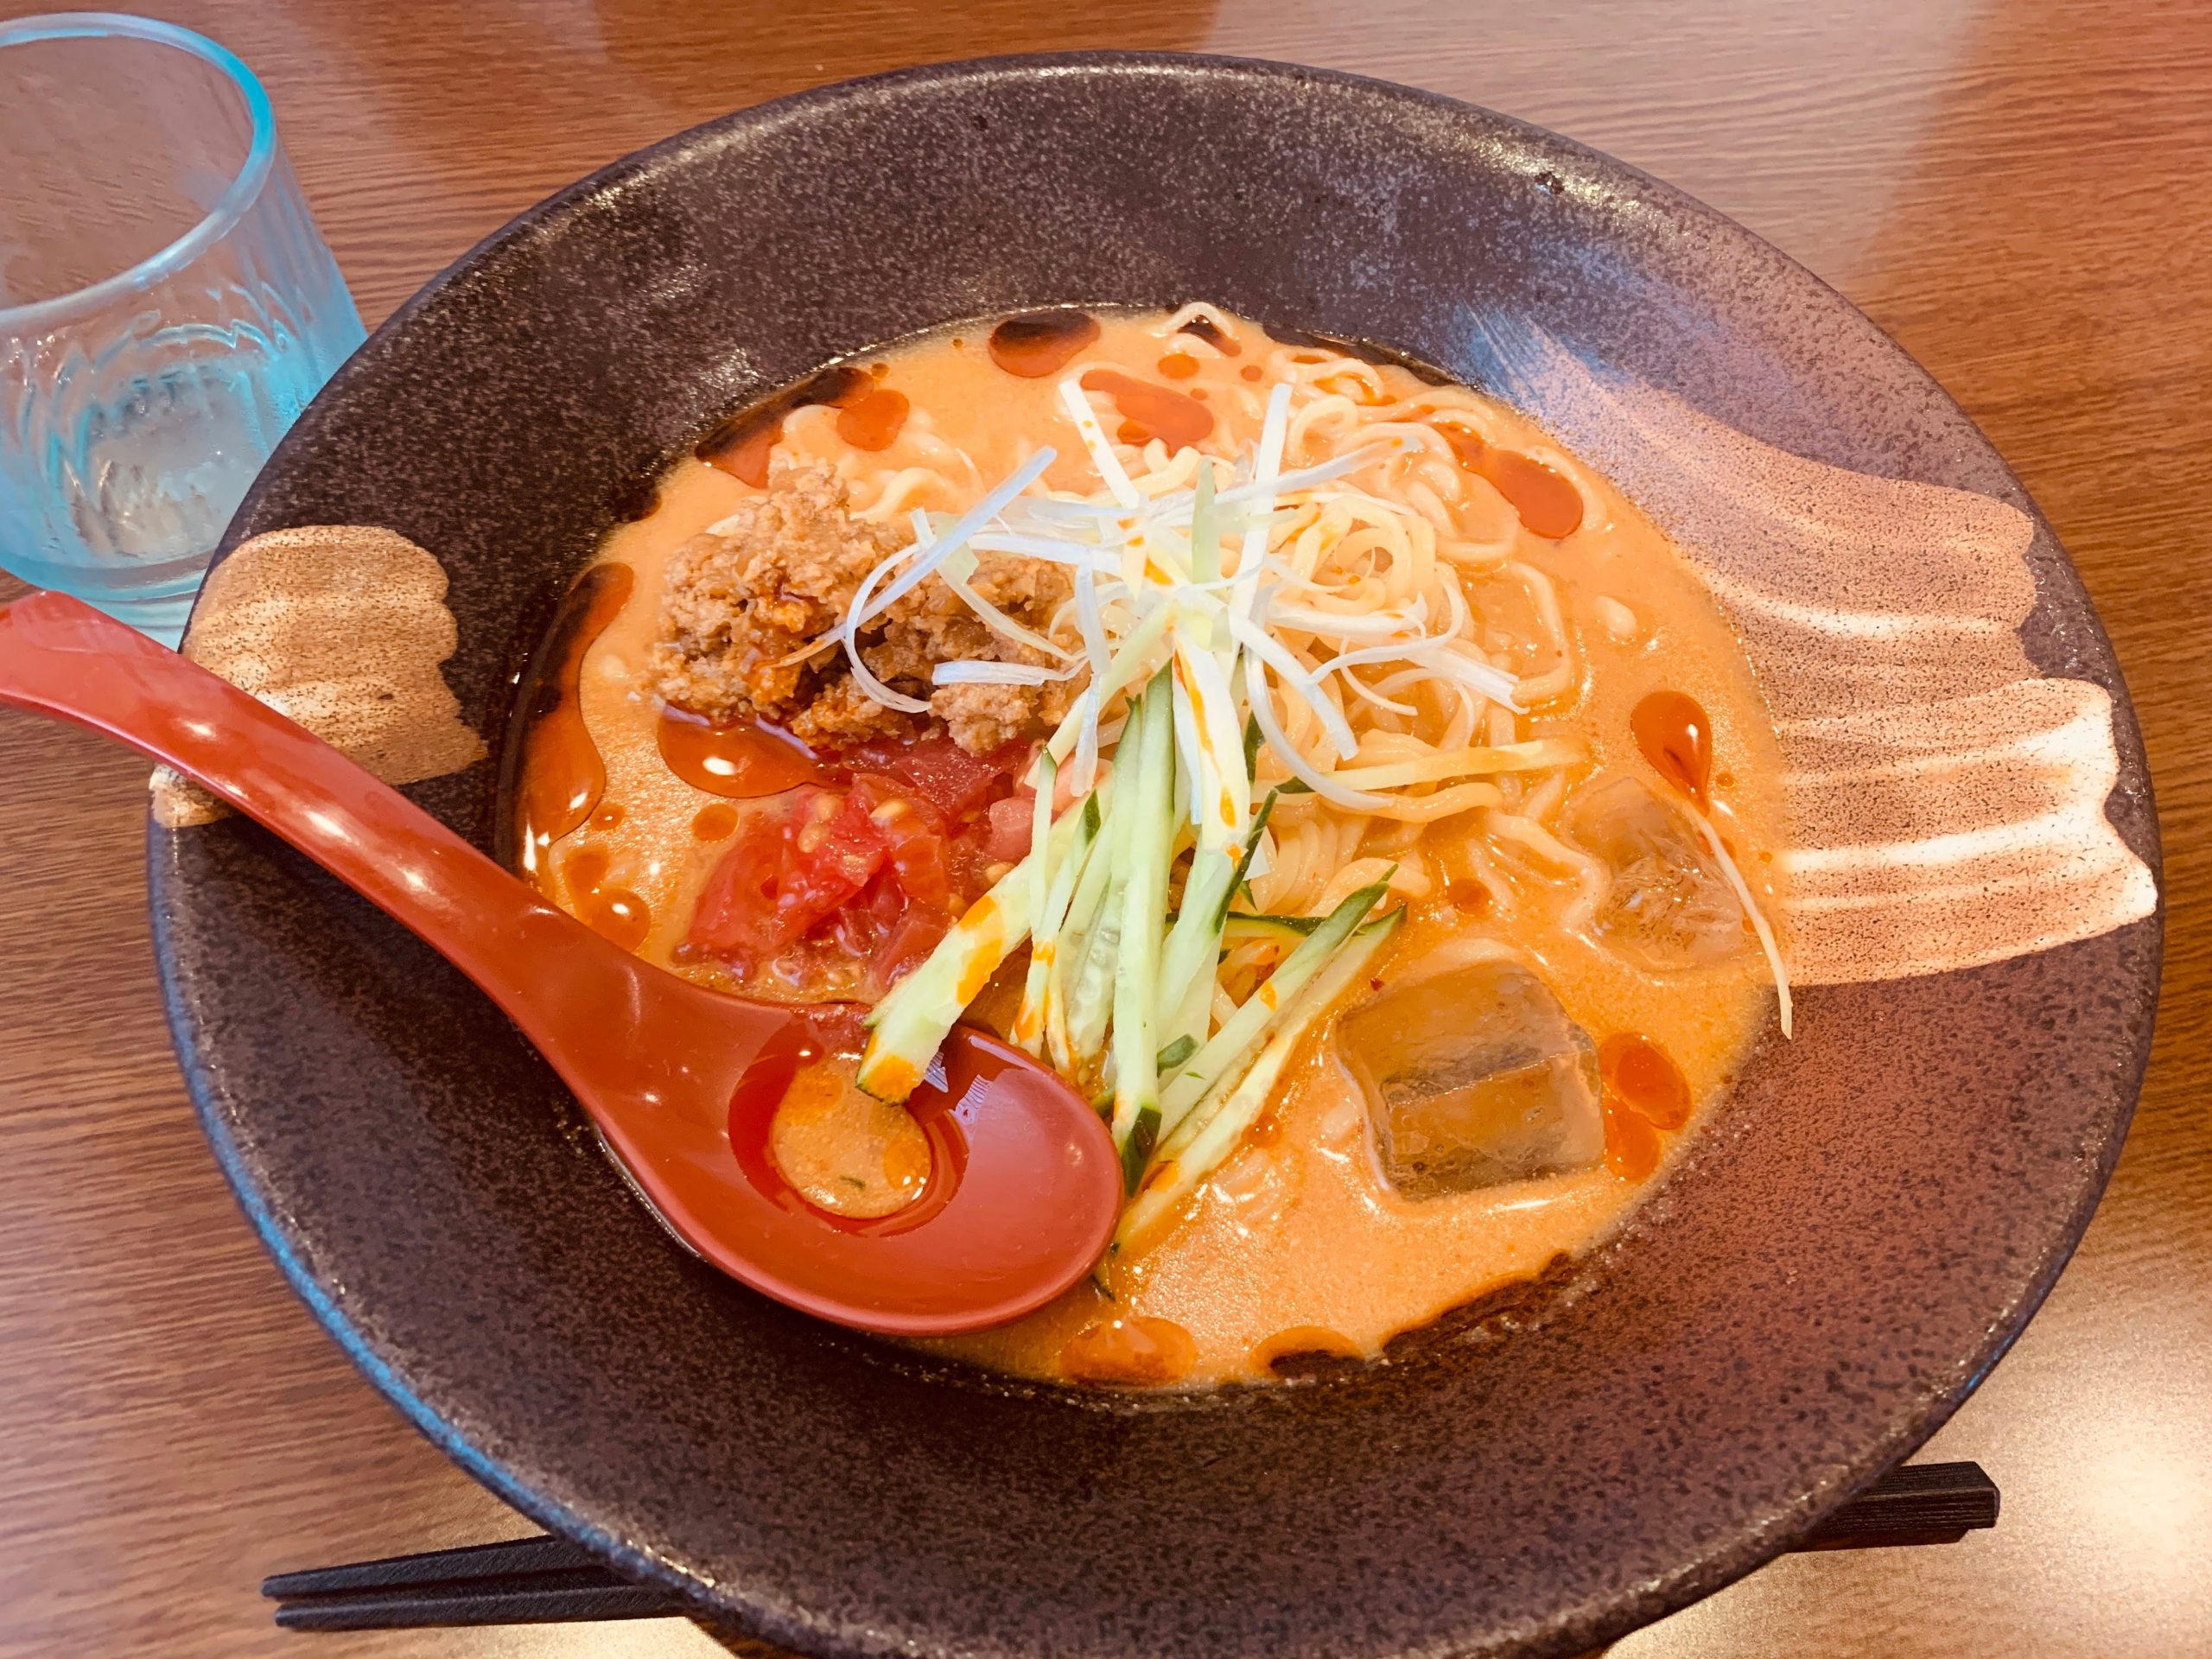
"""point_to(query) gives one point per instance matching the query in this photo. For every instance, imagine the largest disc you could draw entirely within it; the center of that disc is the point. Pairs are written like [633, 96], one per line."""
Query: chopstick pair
[535, 1580]
[543, 1581]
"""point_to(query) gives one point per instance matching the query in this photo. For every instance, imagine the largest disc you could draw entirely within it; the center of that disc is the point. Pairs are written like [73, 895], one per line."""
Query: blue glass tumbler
[166, 307]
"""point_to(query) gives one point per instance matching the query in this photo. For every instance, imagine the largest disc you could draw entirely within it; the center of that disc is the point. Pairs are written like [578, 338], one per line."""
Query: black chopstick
[1914, 1503]
[542, 1580]
[534, 1580]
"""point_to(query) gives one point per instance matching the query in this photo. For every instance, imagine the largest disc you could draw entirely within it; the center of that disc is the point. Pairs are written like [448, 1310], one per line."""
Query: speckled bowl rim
[1571, 1629]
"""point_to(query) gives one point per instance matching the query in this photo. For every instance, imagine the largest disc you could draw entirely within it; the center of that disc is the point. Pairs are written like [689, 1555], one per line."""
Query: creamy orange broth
[1297, 1243]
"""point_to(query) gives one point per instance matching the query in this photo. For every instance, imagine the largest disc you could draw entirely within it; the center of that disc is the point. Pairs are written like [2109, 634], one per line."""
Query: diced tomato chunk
[1012, 822]
[913, 831]
[830, 851]
[937, 769]
[779, 881]
[858, 929]
[736, 915]
[911, 939]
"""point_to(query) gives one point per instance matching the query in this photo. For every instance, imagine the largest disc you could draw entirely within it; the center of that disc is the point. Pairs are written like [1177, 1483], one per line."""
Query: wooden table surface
[2013, 188]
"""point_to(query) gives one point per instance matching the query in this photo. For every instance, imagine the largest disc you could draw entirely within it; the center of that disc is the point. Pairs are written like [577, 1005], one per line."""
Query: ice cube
[1668, 906]
[1474, 1077]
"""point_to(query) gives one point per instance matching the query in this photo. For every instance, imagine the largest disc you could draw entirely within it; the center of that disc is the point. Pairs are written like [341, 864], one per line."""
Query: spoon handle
[60, 657]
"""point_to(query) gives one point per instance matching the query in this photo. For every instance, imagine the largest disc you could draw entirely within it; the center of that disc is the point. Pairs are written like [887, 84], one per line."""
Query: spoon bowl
[1025, 1186]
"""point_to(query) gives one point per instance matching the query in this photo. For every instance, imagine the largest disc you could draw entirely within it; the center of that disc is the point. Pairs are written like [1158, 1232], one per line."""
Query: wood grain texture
[2012, 189]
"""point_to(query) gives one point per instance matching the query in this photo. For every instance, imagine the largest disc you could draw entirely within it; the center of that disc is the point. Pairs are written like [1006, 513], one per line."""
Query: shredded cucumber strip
[1090, 996]
[1179, 1173]
[1069, 943]
[1193, 942]
[1243, 924]
[1193, 954]
[1188, 1026]
[1072, 953]
[1090, 992]
[1148, 797]
[1228, 1047]
[1033, 1024]
[1040, 832]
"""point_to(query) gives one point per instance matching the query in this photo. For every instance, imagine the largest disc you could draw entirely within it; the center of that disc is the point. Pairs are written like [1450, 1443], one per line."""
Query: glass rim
[237, 197]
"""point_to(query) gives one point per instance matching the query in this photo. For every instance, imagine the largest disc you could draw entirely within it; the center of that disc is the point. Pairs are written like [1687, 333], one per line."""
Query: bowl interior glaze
[1854, 1241]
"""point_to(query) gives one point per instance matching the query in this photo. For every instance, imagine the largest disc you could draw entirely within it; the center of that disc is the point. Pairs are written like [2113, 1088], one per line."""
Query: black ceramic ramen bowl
[1854, 1240]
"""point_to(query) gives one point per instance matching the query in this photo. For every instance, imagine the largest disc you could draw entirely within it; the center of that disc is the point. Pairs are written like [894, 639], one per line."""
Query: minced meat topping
[749, 604]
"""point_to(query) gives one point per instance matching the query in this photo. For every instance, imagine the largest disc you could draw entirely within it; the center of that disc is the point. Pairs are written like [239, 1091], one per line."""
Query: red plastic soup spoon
[1025, 1184]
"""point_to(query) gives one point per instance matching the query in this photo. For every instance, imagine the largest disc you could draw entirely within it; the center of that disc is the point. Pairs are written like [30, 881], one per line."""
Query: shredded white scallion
[1753, 914]
[993, 673]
